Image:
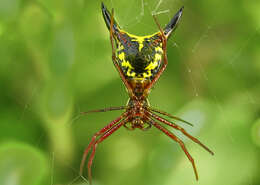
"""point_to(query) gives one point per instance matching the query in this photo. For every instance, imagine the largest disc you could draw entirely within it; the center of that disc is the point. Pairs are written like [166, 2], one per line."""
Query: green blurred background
[55, 61]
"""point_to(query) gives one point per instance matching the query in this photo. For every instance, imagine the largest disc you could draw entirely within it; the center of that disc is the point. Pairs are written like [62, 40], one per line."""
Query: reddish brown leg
[175, 138]
[103, 137]
[105, 109]
[102, 131]
[130, 91]
[165, 60]
[170, 116]
[177, 127]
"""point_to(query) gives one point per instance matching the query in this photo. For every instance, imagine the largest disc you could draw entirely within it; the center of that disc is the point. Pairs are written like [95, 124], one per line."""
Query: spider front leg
[165, 60]
[164, 34]
[177, 127]
[99, 133]
[105, 109]
[175, 138]
[130, 91]
[102, 138]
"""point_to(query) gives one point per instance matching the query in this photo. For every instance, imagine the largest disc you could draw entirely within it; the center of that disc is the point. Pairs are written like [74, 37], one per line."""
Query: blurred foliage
[56, 62]
[27, 168]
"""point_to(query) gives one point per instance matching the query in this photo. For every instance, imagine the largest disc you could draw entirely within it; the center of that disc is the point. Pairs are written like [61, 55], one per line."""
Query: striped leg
[102, 138]
[175, 138]
[99, 133]
[177, 127]
[130, 91]
[105, 109]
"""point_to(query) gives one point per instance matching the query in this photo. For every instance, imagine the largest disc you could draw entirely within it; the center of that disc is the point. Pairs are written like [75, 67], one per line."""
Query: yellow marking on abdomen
[139, 39]
[155, 63]
[159, 49]
[124, 63]
[121, 56]
[149, 73]
[127, 64]
[130, 74]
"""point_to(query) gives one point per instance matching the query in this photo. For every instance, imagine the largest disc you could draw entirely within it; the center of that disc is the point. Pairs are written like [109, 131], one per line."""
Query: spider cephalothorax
[140, 61]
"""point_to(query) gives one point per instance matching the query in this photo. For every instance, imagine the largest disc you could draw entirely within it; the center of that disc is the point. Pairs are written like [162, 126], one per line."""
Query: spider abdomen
[139, 56]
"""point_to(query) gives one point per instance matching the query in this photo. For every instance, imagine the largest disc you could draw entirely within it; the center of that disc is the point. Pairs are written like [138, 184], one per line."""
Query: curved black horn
[107, 18]
[172, 25]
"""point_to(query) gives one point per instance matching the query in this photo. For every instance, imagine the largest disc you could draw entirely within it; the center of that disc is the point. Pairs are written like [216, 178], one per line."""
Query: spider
[140, 61]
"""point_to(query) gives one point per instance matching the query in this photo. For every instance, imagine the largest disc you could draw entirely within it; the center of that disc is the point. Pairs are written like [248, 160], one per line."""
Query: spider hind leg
[102, 138]
[100, 133]
[177, 127]
[179, 141]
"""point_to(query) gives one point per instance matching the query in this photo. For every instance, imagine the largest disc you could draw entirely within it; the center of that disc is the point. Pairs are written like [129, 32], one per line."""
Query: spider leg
[175, 138]
[130, 91]
[105, 109]
[101, 132]
[177, 127]
[170, 116]
[165, 60]
[102, 138]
